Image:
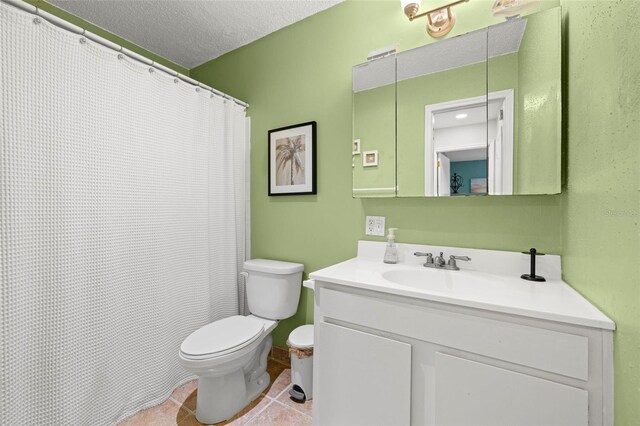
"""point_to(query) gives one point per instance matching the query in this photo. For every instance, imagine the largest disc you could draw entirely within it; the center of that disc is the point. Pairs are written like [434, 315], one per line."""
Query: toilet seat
[222, 337]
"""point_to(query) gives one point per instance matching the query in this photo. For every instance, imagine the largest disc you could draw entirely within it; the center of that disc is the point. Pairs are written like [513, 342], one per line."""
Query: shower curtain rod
[94, 37]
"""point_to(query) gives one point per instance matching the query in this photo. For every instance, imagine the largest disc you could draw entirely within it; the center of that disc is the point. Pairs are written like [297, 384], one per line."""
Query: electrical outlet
[374, 225]
[380, 226]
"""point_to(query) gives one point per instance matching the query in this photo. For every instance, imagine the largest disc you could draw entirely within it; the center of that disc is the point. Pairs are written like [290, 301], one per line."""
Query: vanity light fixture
[439, 20]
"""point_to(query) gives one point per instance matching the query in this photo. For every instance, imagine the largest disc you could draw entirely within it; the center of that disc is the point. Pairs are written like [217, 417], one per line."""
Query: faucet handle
[465, 258]
[452, 261]
[429, 257]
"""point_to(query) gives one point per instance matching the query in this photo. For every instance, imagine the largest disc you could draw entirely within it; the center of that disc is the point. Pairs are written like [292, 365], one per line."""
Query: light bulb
[405, 3]
[410, 7]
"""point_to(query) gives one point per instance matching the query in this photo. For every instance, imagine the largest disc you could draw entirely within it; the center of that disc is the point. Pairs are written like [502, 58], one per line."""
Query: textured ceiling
[190, 33]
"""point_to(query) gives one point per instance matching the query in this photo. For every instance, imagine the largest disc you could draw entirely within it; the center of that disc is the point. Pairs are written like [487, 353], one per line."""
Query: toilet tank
[273, 287]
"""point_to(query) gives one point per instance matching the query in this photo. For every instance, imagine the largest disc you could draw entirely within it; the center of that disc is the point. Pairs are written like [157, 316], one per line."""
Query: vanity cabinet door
[363, 380]
[469, 392]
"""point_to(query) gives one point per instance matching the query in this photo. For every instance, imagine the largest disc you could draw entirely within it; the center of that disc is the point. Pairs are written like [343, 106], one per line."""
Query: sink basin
[410, 277]
[442, 280]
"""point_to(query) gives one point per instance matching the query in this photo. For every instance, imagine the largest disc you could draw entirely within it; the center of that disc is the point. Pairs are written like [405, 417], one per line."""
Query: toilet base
[220, 398]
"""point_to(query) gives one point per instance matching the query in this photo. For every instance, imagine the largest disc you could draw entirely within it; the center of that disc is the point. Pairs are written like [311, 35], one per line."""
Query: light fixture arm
[429, 12]
[440, 20]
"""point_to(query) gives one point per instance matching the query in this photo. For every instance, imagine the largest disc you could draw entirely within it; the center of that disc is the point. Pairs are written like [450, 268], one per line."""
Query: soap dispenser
[391, 253]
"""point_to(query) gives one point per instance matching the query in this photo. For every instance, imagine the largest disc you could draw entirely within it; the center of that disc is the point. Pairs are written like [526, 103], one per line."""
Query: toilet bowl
[229, 356]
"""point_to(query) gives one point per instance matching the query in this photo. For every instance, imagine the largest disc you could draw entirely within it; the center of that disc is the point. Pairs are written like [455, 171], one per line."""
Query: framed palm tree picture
[292, 159]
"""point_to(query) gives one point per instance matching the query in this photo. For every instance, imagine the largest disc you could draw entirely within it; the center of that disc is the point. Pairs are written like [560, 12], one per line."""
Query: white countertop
[503, 291]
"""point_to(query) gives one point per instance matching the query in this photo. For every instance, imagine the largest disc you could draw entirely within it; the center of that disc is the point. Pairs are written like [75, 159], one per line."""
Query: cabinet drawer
[552, 351]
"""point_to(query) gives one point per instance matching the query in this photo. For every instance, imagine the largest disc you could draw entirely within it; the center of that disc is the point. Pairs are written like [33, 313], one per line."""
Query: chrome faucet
[440, 263]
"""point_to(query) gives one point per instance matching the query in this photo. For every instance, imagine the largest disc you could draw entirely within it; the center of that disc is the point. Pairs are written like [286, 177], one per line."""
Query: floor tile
[244, 416]
[181, 393]
[280, 415]
[190, 420]
[248, 413]
[190, 402]
[280, 378]
[166, 414]
[304, 407]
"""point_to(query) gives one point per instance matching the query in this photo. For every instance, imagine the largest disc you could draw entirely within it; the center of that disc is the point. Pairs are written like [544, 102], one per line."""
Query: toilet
[229, 356]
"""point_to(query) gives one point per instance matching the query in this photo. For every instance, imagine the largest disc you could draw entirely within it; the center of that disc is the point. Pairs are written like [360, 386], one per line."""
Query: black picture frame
[291, 151]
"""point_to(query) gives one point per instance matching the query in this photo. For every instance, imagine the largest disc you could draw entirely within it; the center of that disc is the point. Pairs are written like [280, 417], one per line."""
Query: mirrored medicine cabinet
[473, 115]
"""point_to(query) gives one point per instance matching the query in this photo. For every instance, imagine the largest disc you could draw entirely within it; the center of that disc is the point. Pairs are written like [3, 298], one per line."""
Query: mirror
[527, 138]
[374, 128]
[442, 111]
[477, 114]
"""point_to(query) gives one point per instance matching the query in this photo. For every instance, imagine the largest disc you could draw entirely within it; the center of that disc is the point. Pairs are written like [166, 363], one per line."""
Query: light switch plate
[374, 225]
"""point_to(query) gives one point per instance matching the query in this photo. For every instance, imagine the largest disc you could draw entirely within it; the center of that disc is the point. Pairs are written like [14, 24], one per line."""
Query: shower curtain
[121, 224]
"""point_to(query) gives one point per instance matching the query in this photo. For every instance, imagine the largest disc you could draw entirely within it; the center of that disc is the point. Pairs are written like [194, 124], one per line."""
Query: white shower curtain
[121, 224]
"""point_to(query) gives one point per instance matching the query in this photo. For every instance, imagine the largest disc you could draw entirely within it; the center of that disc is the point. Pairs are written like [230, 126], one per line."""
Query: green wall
[303, 73]
[601, 201]
[40, 4]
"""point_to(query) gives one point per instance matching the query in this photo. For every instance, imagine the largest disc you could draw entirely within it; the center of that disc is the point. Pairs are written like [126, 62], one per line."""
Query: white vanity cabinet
[383, 357]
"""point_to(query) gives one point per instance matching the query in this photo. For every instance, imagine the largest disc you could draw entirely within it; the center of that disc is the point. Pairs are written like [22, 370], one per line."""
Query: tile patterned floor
[272, 407]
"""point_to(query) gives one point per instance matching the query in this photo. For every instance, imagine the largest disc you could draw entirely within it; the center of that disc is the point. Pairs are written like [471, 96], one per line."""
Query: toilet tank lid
[272, 266]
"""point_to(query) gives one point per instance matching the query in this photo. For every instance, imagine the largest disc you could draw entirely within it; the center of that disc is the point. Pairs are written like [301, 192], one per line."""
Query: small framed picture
[369, 158]
[292, 159]
[478, 185]
[356, 147]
